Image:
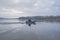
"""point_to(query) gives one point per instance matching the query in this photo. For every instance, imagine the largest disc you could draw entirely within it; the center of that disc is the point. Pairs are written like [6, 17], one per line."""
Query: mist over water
[40, 31]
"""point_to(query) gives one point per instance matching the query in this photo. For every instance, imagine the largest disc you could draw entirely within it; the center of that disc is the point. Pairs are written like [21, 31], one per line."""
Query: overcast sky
[16, 8]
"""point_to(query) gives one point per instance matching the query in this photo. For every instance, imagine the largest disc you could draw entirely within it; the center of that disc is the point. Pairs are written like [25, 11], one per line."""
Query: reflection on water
[40, 31]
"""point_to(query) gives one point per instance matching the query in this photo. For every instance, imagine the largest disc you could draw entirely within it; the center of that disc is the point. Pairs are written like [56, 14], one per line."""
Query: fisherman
[29, 22]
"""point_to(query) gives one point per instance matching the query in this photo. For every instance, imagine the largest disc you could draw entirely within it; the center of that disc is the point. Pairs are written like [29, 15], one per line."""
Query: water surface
[40, 31]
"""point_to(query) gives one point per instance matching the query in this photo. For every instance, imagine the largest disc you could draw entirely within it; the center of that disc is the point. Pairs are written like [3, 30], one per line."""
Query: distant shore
[36, 18]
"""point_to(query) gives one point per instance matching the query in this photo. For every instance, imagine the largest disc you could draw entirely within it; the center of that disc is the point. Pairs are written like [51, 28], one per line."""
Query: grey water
[40, 31]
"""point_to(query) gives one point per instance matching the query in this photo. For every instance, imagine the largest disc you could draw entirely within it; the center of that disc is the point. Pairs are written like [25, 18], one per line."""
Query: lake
[18, 31]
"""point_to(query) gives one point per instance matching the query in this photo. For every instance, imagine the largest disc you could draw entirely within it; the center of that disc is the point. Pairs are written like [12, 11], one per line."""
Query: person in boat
[29, 22]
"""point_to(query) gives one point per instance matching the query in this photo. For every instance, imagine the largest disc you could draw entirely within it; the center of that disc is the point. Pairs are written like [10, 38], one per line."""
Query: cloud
[29, 7]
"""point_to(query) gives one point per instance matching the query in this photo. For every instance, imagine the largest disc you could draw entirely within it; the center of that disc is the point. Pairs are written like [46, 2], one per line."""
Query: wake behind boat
[11, 23]
[28, 22]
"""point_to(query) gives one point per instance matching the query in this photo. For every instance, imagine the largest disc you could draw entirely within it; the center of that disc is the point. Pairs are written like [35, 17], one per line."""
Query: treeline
[42, 18]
